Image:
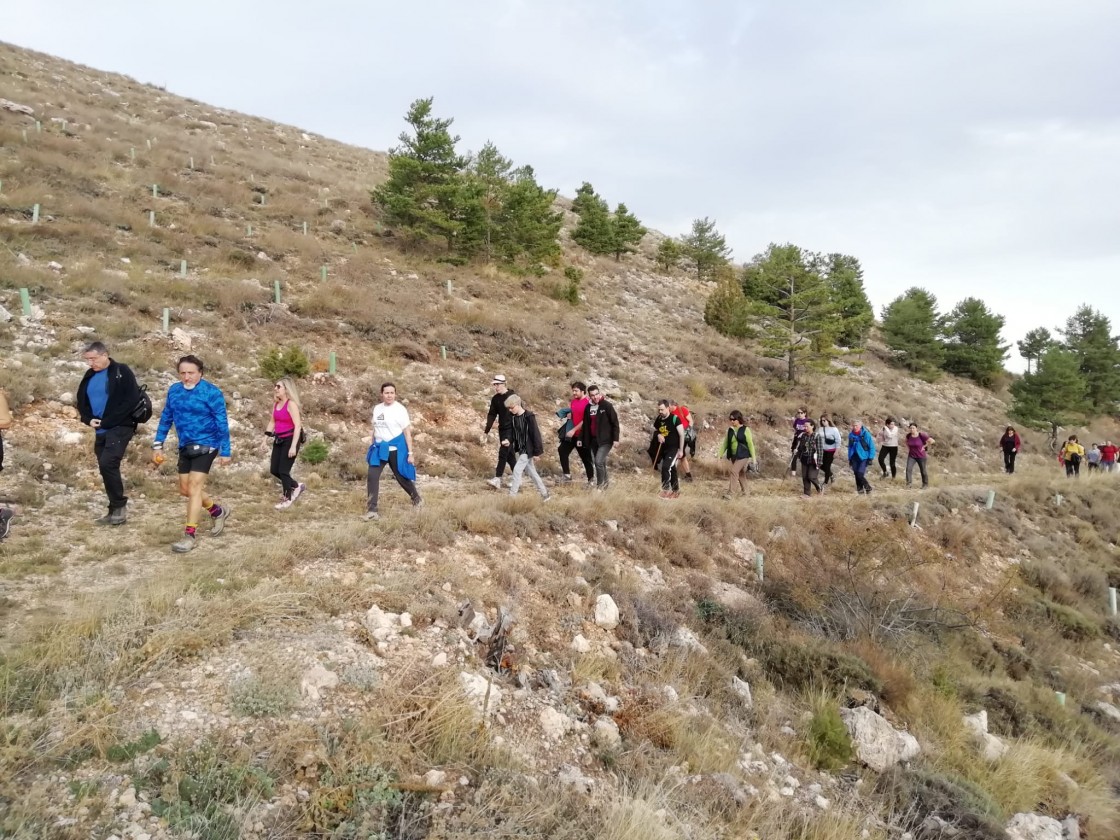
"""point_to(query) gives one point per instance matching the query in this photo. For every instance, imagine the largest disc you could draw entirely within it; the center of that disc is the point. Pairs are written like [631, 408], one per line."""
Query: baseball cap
[499, 379]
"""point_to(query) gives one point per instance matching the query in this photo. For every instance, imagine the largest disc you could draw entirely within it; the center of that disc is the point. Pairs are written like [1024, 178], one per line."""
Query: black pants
[281, 465]
[888, 453]
[373, 483]
[506, 456]
[109, 448]
[1073, 467]
[826, 466]
[565, 450]
[670, 480]
[1009, 460]
[809, 478]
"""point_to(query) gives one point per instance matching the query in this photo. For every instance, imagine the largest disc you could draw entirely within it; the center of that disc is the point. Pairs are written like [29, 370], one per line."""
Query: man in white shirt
[392, 445]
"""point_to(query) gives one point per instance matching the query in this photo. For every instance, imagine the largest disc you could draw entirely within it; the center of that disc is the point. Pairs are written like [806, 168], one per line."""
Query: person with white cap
[499, 411]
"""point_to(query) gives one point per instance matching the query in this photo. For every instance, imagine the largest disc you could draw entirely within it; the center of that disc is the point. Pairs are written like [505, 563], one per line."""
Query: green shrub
[315, 452]
[571, 290]
[913, 796]
[256, 697]
[128, 751]
[277, 363]
[830, 745]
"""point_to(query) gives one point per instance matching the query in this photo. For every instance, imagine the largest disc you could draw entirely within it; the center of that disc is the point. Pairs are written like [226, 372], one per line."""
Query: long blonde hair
[290, 390]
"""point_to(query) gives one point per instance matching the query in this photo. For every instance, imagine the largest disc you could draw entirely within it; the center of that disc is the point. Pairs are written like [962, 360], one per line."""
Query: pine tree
[423, 194]
[911, 331]
[972, 342]
[669, 253]
[844, 276]
[1088, 334]
[791, 297]
[528, 226]
[706, 247]
[1034, 344]
[727, 309]
[625, 232]
[593, 231]
[485, 190]
[1054, 394]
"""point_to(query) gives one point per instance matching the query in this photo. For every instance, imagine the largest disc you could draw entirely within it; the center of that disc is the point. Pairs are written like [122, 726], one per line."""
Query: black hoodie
[124, 395]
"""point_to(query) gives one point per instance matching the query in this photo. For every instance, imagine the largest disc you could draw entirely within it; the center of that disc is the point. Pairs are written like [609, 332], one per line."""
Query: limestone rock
[377, 619]
[993, 748]
[315, 680]
[1108, 710]
[580, 644]
[570, 776]
[5, 315]
[475, 687]
[575, 553]
[605, 734]
[606, 612]
[1033, 827]
[878, 744]
[16, 108]
[555, 724]
[743, 689]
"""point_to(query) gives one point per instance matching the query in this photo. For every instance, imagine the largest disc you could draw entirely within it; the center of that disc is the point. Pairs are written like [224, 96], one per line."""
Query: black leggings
[1009, 460]
[826, 466]
[281, 465]
[888, 453]
[565, 450]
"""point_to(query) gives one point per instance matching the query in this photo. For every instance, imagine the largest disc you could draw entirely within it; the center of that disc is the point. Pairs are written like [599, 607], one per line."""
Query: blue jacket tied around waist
[379, 454]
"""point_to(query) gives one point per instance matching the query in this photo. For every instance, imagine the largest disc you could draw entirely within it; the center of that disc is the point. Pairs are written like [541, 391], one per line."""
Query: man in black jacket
[107, 396]
[499, 412]
[526, 444]
[599, 432]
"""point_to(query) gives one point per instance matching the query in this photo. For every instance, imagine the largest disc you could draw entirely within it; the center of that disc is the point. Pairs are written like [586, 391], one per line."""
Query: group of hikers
[111, 401]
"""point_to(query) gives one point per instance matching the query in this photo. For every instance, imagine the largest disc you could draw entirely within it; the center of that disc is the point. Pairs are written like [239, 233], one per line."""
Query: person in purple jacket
[916, 443]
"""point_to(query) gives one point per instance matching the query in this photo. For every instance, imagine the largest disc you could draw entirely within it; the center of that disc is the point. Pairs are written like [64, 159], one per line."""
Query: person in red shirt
[573, 437]
[1108, 456]
[688, 428]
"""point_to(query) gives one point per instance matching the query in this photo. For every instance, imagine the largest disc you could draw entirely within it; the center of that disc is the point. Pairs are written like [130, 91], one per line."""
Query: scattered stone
[54, 266]
[187, 714]
[575, 600]
[821, 802]
[878, 744]
[570, 776]
[23, 260]
[743, 689]
[580, 644]
[127, 799]
[1071, 828]
[16, 108]
[1033, 827]
[439, 660]
[435, 778]
[476, 687]
[555, 724]
[612, 524]
[993, 747]
[606, 612]
[5, 315]
[405, 619]
[685, 638]
[181, 339]
[788, 731]
[1108, 710]
[605, 734]
[575, 553]
[315, 680]
[70, 438]
[377, 619]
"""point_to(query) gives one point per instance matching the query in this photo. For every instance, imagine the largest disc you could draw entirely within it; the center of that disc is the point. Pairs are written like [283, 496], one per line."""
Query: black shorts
[200, 463]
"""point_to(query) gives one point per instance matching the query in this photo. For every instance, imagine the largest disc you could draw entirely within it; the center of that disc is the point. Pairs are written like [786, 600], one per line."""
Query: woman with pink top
[285, 427]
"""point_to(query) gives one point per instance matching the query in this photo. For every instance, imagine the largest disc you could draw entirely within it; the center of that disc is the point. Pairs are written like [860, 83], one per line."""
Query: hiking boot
[107, 519]
[6, 515]
[565, 479]
[547, 497]
[417, 502]
[495, 482]
[118, 516]
[298, 491]
[370, 516]
[184, 545]
[688, 476]
[220, 521]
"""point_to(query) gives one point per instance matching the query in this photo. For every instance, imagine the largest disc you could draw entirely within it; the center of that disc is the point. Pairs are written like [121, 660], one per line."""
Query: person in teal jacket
[197, 410]
[861, 452]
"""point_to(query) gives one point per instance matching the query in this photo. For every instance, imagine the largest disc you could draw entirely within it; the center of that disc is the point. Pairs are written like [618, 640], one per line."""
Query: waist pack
[282, 440]
[196, 450]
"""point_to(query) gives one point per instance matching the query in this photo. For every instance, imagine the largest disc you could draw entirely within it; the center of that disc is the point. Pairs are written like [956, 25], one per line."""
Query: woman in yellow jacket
[1072, 454]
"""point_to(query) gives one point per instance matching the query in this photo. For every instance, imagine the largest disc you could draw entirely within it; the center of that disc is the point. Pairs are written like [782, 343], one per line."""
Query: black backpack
[142, 413]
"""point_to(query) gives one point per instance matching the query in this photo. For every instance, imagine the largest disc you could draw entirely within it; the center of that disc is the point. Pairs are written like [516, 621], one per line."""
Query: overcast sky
[968, 146]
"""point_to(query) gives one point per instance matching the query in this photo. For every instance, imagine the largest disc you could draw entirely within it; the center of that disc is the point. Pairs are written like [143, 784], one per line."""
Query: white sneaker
[370, 516]
[495, 482]
[284, 505]
[298, 491]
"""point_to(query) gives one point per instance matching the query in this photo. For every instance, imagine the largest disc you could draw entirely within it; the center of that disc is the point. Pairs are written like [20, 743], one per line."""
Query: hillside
[310, 674]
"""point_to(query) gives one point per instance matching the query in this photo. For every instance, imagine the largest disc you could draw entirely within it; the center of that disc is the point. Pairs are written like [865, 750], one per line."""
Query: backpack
[142, 412]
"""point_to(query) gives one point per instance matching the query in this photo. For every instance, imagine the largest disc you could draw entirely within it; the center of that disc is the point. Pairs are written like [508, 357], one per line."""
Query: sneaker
[6, 515]
[727, 496]
[565, 479]
[370, 516]
[418, 502]
[298, 491]
[220, 521]
[184, 545]
[284, 505]
[495, 482]
[118, 516]
[547, 497]
[688, 476]
[675, 494]
[664, 494]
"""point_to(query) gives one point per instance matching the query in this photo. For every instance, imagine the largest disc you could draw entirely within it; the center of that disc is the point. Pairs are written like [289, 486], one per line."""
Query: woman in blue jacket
[861, 452]
[197, 410]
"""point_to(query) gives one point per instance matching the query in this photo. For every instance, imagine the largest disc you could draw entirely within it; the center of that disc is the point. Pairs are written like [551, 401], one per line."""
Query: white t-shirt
[389, 421]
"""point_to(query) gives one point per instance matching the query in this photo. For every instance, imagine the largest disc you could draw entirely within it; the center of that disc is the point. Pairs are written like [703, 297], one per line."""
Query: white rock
[377, 619]
[23, 260]
[878, 744]
[977, 723]
[439, 660]
[685, 638]
[743, 689]
[555, 724]
[992, 747]
[580, 644]
[670, 694]
[1071, 828]
[406, 619]
[5, 315]
[435, 778]
[605, 733]
[1033, 827]
[570, 776]
[66, 398]
[577, 554]
[315, 680]
[54, 266]
[70, 438]
[475, 688]
[606, 612]
[821, 802]
[127, 799]
[187, 714]
[181, 339]
[1108, 710]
